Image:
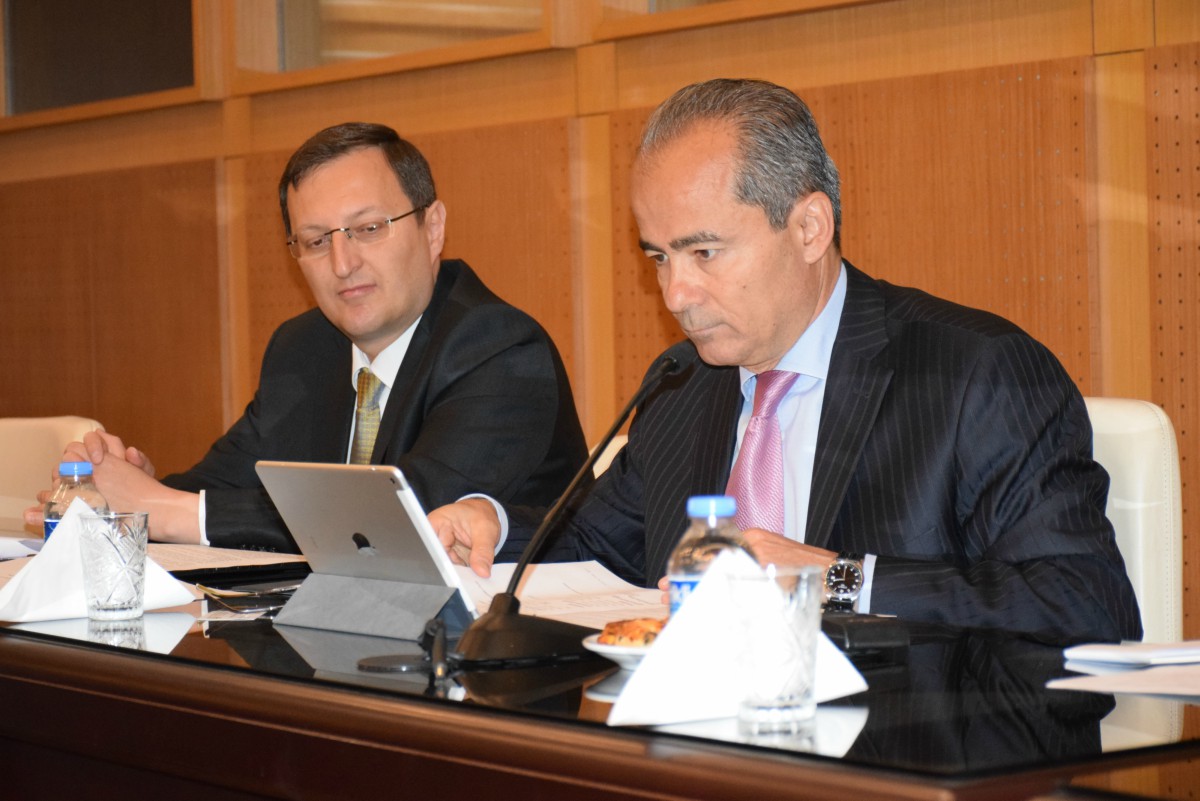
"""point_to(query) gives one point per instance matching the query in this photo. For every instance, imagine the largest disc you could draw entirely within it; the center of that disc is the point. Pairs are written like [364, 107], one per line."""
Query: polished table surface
[286, 712]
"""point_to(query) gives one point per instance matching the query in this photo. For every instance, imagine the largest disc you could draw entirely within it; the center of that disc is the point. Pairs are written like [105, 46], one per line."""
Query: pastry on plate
[637, 632]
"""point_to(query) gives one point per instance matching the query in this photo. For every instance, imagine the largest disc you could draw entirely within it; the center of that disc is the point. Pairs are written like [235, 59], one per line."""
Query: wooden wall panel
[643, 326]
[972, 185]
[461, 96]
[277, 289]
[1176, 21]
[508, 198]
[167, 135]
[1122, 260]
[861, 43]
[1173, 145]
[508, 202]
[110, 305]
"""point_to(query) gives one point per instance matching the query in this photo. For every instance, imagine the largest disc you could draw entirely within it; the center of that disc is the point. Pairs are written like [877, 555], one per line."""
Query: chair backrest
[1134, 441]
[30, 450]
[605, 459]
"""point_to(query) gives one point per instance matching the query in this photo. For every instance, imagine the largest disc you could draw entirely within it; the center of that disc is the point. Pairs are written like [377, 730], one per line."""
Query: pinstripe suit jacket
[952, 445]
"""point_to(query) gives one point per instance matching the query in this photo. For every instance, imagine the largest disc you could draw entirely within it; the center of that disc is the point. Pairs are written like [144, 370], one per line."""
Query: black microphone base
[504, 638]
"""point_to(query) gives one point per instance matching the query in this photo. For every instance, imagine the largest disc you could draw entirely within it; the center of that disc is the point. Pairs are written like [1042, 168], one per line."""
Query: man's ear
[435, 228]
[812, 223]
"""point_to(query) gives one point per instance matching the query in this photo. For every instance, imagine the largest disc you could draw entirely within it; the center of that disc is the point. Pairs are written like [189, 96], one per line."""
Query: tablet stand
[377, 607]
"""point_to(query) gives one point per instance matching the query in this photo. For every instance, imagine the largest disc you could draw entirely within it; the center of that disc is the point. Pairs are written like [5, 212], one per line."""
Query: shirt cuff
[201, 515]
[864, 598]
[500, 514]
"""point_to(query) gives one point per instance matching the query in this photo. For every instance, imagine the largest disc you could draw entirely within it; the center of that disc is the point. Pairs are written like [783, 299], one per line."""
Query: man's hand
[773, 549]
[125, 477]
[770, 548]
[469, 531]
[174, 514]
[98, 444]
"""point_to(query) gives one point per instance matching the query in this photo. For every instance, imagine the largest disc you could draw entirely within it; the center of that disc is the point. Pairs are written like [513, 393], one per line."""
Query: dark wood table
[242, 710]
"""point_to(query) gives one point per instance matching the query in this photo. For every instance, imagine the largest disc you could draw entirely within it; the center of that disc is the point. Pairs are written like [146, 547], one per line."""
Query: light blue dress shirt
[799, 416]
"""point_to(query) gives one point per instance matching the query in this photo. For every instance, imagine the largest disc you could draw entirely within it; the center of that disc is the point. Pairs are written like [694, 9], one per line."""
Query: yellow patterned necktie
[366, 417]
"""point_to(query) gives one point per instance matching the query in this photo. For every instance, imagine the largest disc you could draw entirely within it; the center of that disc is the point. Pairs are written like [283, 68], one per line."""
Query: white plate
[607, 689]
[627, 656]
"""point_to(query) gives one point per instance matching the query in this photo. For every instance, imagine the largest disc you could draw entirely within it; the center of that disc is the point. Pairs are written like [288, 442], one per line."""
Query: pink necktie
[757, 478]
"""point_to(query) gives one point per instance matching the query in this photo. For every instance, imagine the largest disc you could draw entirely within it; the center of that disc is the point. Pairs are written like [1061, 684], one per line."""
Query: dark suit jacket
[952, 445]
[481, 403]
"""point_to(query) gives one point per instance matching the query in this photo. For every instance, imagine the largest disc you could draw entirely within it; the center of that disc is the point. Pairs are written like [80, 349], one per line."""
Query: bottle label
[680, 588]
[48, 527]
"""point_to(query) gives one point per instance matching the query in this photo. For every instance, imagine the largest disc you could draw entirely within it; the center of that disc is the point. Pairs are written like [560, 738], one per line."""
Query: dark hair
[411, 168]
[782, 156]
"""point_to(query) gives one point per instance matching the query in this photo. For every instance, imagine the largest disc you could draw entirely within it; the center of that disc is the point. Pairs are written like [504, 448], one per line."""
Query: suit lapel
[405, 398]
[855, 389]
[689, 449]
[717, 435]
[333, 408]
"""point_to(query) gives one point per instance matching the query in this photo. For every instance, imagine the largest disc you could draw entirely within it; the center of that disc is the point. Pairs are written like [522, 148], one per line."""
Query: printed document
[583, 593]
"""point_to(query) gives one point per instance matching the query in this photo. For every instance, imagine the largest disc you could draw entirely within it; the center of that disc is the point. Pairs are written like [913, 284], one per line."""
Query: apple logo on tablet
[364, 545]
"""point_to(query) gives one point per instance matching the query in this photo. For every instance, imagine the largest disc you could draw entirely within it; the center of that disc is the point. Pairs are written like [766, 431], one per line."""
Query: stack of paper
[1109, 657]
[1170, 669]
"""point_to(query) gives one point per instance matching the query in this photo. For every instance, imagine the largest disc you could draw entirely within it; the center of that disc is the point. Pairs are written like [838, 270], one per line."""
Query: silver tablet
[362, 521]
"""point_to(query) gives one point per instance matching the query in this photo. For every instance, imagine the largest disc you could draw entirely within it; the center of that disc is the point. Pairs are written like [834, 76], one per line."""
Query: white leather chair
[609, 454]
[1135, 442]
[30, 450]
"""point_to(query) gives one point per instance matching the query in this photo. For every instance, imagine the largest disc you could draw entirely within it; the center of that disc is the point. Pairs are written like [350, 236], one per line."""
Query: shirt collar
[387, 363]
[811, 353]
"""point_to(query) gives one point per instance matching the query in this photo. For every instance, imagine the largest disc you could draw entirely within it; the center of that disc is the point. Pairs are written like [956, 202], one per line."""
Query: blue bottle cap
[75, 469]
[711, 506]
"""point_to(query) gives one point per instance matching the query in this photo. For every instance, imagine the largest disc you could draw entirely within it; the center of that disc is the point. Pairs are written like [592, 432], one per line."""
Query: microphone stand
[504, 638]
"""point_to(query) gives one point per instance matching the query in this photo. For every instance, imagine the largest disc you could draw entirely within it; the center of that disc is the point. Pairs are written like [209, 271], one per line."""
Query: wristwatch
[843, 582]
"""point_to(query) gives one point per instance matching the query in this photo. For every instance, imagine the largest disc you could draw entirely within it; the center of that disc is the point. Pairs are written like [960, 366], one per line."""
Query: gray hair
[782, 156]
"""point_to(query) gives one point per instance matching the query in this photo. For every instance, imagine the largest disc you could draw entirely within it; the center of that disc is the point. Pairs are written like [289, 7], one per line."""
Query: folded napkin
[691, 672]
[50, 586]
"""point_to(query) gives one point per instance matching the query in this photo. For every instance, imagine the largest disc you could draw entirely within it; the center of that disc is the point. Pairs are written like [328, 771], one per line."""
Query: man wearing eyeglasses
[459, 389]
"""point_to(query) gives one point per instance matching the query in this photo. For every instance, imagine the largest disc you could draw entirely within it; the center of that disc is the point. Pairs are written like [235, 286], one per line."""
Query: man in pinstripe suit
[943, 443]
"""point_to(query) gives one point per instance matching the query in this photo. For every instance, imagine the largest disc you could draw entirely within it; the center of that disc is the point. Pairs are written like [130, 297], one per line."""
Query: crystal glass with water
[113, 547]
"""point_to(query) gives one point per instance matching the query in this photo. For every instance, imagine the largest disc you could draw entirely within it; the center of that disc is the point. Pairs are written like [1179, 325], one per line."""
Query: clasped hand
[125, 477]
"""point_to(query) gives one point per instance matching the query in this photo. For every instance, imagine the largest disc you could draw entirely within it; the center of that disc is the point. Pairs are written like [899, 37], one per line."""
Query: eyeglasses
[316, 245]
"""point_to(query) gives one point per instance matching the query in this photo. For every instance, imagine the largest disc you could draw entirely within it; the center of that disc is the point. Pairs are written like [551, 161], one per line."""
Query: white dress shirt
[385, 367]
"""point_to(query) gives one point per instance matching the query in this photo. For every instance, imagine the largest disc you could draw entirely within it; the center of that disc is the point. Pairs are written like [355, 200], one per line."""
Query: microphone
[502, 637]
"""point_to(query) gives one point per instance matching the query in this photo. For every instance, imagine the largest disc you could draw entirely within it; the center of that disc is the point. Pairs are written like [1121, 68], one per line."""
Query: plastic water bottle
[711, 531]
[74, 481]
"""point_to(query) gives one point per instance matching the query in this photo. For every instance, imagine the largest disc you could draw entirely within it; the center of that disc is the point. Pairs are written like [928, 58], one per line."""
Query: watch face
[844, 579]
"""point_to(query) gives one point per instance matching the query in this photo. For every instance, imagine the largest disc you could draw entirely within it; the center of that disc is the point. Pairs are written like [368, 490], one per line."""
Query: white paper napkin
[692, 673]
[50, 586]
